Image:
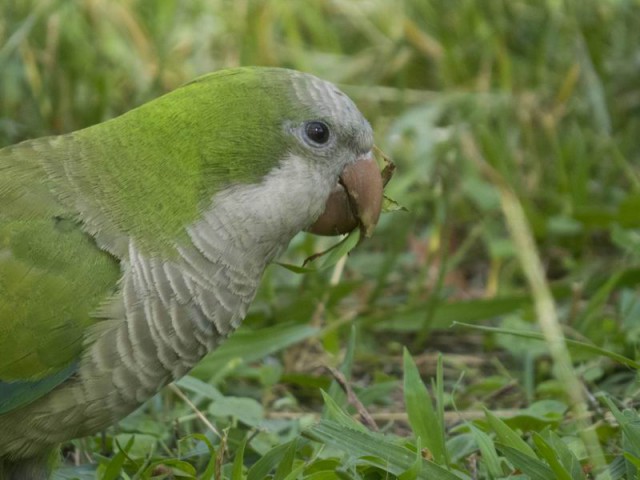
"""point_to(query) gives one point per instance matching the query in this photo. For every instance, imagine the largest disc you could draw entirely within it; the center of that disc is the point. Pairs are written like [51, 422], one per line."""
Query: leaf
[412, 319]
[538, 415]
[628, 420]
[238, 462]
[247, 346]
[179, 468]
[199, 387]
[390, 205]
[325, 475]
[334, 413]
[531, 466]
[437, 385]
[80, 472]
[635, 461]
[628, 240]
[487, 449]
[295, 268]
[564, 454]
[114, 467]
[139, 444]
[571, 344]
[375, 449]
[630, 423]
[209, 471]
[423, 418]
[591, 311]
[295, 473]
[286, 464]
[329, 257]
[547, 452]
[246, 410]
[270, 460]
[507, 436]
[412, 472]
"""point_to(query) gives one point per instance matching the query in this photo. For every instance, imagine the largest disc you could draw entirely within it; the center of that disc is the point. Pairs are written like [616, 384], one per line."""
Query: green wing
[52, 277]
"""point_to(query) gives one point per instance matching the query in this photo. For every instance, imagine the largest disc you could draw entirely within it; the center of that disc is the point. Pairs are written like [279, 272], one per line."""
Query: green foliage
[481, 104]
[426, 422]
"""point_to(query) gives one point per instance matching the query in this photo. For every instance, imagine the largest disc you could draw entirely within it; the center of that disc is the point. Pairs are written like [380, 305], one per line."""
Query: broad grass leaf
[490, 457]
[548, 453]
[564, 454]
[508, 436]
[246, 346]
[270, 460]
[335, 413]
[286, 464]
[114, 467]
[238, 462]
[376, 449]
[423, 417]
[247, 410]
[535, 469]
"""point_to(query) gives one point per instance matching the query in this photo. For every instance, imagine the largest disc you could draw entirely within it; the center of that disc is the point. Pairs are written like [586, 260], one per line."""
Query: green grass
[514, 125]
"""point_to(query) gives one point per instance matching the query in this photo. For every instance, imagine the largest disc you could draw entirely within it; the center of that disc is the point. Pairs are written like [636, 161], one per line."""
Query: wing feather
[53, 276]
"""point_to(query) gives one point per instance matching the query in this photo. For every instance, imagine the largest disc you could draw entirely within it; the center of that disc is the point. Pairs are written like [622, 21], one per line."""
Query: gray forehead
[325, 98]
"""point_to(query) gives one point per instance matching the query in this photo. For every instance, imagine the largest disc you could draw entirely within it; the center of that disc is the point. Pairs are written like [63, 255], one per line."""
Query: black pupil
[318, 132]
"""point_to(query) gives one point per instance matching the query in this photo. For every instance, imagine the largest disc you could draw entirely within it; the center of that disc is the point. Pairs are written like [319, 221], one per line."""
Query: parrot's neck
[259, 220]
[176, 311]
[243, 230]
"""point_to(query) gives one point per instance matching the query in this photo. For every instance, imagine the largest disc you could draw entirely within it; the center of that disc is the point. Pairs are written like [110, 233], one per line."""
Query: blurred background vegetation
[509, 121]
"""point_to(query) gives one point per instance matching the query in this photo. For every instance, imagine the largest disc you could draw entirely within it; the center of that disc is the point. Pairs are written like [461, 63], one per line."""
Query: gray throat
[166, 317]
[170, 314]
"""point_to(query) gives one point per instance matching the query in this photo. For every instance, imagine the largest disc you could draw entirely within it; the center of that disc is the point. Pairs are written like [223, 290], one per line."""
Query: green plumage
[130, 249]
[119, 172]
[44, 255]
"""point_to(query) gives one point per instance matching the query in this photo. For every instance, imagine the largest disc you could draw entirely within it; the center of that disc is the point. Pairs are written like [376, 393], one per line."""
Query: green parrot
[132, 248]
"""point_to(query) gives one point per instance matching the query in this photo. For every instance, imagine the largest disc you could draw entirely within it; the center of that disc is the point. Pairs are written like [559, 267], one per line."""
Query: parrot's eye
[317, 132]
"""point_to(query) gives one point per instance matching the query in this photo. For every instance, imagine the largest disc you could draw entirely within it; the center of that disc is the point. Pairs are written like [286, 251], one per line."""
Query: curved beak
[356, 201]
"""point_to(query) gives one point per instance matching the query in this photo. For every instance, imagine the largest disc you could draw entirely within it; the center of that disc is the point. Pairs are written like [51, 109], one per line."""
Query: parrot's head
[297, 153]
[253, 152]
[337, 141]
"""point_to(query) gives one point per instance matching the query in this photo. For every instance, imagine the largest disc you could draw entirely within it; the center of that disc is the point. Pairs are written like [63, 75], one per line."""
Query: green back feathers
[52, 275]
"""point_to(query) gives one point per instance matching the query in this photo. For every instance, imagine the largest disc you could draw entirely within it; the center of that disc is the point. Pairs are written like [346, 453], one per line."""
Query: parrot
[132, 248]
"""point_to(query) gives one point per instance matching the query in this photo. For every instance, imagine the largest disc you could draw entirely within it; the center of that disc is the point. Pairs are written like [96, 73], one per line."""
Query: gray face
[337, 141]
[336, 109]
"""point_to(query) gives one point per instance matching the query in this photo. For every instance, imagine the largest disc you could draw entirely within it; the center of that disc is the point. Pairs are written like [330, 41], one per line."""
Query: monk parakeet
[130, 249]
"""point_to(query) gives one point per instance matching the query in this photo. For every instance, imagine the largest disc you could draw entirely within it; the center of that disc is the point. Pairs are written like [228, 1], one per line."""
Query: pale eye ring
[318, 132]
